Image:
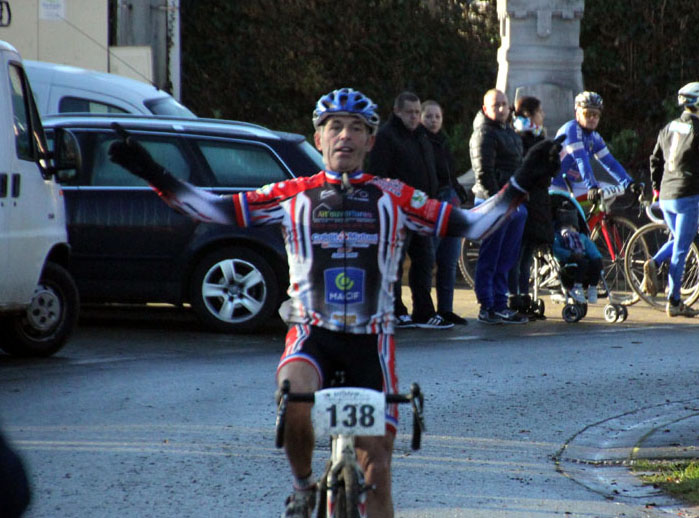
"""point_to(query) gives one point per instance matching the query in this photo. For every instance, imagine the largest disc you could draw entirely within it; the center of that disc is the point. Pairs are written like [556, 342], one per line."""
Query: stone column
[540, 54]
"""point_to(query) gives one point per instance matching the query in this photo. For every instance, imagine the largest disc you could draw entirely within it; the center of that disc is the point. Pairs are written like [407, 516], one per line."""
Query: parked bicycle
[610, 233]
[343, 414]
[643, 245]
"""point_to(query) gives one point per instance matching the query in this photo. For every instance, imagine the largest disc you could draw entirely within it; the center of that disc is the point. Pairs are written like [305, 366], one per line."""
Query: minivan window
[168, 106]
[80, 105]
[241, 165]
[106, 173]
[20, 109]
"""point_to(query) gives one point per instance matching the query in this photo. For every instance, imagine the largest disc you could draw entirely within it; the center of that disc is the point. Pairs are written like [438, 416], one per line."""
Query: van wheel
[44, 327]
[234, 290]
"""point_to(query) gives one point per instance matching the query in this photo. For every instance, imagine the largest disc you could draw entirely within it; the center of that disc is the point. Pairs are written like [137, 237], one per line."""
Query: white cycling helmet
[688, 96]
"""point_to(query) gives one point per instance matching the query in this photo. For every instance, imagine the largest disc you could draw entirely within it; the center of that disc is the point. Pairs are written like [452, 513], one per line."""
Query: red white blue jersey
[343, 244]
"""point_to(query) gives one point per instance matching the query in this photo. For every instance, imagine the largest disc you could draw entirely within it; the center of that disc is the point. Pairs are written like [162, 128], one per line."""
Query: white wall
[72, 32]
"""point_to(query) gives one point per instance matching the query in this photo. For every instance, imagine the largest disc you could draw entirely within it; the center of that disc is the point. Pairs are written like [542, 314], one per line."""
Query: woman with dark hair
[538, 229]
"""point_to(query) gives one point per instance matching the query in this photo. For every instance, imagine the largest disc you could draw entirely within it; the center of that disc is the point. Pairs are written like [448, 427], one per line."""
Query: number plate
[349, 411]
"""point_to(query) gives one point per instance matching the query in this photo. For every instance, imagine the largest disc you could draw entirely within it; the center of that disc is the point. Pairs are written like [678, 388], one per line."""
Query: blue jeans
[447, 257]
[496, 256]
[682, 217]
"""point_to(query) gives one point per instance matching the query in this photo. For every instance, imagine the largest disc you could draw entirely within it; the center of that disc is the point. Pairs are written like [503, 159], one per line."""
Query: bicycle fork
[343, 459]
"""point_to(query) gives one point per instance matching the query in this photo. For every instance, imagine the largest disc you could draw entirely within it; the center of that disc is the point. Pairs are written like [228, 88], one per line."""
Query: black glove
[542, 163]
[133, 157]
[636, 188]
[594, 194]
[461, 193]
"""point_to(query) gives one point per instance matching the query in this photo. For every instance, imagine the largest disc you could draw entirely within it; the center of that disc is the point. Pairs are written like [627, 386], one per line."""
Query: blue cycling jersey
[578, 147]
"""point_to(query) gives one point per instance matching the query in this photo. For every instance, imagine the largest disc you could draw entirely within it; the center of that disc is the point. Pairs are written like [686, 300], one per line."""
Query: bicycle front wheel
[642, 246]
[348, 494]
[467, 261]
[611, 237]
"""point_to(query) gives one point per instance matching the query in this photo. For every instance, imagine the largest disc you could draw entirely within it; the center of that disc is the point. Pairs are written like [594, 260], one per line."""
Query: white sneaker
[577, 294]
[592, 294]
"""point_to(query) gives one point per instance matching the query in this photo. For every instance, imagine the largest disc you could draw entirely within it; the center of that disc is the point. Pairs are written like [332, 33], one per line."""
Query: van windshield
[168, 106]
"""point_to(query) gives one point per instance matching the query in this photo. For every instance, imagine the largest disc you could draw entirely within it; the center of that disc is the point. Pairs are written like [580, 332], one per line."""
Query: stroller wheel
[583, 308]
[538, 308]
[571, 313]
[611, 313]
[623, 314]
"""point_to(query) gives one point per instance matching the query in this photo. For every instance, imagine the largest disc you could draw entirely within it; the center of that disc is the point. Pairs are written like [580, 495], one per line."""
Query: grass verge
[679, 478]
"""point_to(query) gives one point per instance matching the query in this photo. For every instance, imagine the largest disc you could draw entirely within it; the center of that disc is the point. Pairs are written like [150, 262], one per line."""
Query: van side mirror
[67, 158]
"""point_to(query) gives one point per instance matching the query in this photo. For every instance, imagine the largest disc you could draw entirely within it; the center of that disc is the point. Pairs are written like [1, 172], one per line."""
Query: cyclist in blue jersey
[344, 232]
[581, 144]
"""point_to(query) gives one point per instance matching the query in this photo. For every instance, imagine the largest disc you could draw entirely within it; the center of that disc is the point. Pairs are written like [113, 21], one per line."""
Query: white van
[66, 89]
[39, 301]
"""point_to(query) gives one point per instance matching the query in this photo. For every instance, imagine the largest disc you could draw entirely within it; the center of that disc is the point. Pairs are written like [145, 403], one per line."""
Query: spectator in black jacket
[403, 151]
[447, 248]
[538, 229]
[496, 152]
[674, 172]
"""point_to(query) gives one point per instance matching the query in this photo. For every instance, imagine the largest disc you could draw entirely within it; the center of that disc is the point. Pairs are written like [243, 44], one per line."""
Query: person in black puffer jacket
[496, 152]
[538, 229]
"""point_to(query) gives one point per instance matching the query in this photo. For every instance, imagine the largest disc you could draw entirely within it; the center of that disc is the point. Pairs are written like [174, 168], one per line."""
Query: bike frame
[343, 464]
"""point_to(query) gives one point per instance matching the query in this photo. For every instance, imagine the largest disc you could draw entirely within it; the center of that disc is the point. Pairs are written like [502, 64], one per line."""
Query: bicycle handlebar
[285, 396]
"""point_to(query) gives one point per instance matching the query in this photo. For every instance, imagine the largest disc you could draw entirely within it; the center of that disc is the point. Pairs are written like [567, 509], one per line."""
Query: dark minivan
[128, 246]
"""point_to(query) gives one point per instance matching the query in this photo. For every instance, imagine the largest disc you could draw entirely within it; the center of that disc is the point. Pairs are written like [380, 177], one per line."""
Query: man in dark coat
[403, 151]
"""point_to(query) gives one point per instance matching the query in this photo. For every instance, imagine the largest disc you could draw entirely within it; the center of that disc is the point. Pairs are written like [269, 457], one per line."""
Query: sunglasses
[591, 114]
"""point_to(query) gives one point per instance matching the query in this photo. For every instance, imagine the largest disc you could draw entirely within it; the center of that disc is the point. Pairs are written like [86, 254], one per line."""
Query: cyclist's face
[588, 118]
[344, 141]
[431, 118]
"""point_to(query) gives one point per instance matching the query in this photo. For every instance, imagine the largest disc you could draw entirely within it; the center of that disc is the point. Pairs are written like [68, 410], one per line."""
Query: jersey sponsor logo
[326, 193]
[418, 199]
[335, 239]
[392, 186]
[358, 195]
[344, 285]
[348, 320]
[326, 214]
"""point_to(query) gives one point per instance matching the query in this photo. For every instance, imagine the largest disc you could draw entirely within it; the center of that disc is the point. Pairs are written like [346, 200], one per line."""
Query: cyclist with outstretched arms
[583, 143]
[344, 232]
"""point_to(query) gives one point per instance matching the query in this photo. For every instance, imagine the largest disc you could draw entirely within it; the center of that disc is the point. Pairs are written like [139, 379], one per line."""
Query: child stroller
[550, 275]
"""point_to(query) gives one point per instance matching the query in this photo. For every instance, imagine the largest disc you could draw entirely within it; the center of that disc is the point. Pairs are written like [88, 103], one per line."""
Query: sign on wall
[52, 9]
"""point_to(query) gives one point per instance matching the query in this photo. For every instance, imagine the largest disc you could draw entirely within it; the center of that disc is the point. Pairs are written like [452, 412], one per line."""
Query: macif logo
[344, 285]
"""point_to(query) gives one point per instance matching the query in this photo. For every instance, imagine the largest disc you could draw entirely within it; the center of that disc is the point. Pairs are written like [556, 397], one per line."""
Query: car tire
[45, 326]
[234, 290]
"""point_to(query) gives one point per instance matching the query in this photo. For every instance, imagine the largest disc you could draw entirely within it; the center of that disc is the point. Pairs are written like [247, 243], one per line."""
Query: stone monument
[540, 54]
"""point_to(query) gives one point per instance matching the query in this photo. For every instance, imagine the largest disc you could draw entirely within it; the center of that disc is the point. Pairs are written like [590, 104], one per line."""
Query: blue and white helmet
[689, 95]
[346, 101]
[589, 100]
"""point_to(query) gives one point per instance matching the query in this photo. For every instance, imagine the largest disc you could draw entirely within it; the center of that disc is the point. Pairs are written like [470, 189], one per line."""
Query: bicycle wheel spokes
[643, 245]
[611, 236]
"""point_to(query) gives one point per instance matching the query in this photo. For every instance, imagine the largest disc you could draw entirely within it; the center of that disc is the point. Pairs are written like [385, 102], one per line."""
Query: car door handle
[16, 181]
[3, 185]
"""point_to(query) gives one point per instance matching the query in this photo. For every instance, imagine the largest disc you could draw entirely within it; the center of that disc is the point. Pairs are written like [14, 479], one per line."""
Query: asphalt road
[145, 415]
